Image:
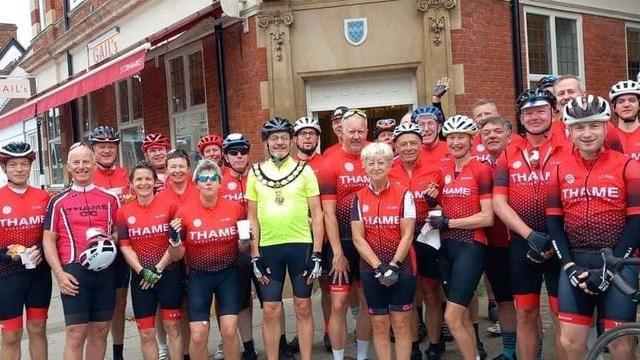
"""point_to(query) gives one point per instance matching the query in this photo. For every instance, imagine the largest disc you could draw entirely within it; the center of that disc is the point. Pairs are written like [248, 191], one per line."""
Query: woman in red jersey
[383, 218]
[143, 230]
[466, 211]
[210, 250]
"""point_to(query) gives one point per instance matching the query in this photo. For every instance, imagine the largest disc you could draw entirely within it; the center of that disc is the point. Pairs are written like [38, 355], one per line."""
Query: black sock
[415, 346]
[186, 357]
[249, 346]
[117, 351]
[420, 315]
[283, 342]
[475, 327]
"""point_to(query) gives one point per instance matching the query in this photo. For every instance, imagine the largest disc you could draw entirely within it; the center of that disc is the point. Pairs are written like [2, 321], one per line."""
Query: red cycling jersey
[73, 211]
[631, 143]
[437, 153]
[524, 178]
[115, 179]
[341, 177]
[21, 221]
[423, 174]
[233, 188]
[461, 195]
[145, 228]
[595, 197]
[315, 162]
[190, 193]
[211, 236]
[380, 214]
[331, 149]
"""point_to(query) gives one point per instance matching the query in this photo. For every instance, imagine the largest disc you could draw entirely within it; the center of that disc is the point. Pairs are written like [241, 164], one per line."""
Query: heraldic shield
[355, 31]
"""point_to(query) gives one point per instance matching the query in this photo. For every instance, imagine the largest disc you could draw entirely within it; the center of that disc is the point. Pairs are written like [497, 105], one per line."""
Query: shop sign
[103, 47]
[355, 30]
[15, 88]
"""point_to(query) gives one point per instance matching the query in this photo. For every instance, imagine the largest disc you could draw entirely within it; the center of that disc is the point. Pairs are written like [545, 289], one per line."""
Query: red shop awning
[22, 112]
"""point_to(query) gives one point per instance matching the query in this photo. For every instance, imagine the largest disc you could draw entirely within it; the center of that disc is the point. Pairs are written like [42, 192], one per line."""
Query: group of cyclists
[399, 231]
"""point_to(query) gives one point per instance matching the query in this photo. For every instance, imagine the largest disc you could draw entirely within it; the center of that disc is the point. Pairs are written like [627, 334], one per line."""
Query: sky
[18, 12]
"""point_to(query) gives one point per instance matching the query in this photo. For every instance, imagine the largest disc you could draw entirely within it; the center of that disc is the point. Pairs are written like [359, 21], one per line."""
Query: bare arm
[131, 258]
[509, 217]
[365, 251]
[317, 222]
[331, 225]
[484, 218]
[67, 283]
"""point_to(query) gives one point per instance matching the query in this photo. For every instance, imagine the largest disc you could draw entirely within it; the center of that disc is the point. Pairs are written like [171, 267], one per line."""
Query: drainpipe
[73, 106]
[222, 82]
[517, 52]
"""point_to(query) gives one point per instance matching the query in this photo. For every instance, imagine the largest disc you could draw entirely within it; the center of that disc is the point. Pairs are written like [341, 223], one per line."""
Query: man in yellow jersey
[281, 193]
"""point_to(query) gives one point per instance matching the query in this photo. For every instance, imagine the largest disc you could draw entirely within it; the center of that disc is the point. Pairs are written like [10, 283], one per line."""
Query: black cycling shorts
[497, 271]
[427, 258]
[526, 277]
[353, 257]
[201, 287]
[121, 272]
[577, 307]
[30, 289]
[461, 267]
[381, 299]
[166, 293]
[283, 258]
[95, 299]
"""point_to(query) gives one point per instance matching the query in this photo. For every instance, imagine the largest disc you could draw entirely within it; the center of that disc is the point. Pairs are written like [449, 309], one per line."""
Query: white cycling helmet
[101, 251]
[586, 109]
[306, 123]
[459, 124]
[624, 87]
[407, 128]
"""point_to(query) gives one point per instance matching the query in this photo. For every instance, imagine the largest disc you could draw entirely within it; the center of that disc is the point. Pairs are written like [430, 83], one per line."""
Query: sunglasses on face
[238, 152]
[353, 112]
[208, 177]
[385, 123]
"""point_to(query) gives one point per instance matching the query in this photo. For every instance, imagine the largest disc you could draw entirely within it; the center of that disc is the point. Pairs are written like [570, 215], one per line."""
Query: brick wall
[211, 84]
[7, 32]
[605, 57]
[246, 67]
[103, 105]
[154, 98]
[483, 45]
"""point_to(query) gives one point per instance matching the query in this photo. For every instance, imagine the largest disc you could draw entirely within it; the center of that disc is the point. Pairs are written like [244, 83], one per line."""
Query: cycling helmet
[407, 128]
[101, 251]
[155, 140]
[16, 150]
[209, 140]
[459, 124]
[546, 81]
[104, 134]
[274, 125]
[427, 110]
[536, 97]
[338, 112]
[624, 87]
[234, 141]
[306, 123]
[586, 109]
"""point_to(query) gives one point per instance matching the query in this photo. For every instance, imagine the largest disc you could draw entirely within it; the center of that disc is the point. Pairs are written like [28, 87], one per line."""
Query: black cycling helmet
[546, 81]
[338, 112]
[16, 150]
[536, 97]
[235, 141]
[104, 134]
[274, 125]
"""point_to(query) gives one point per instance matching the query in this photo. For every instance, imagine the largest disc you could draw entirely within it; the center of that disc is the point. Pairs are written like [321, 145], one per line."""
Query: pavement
[55, 332]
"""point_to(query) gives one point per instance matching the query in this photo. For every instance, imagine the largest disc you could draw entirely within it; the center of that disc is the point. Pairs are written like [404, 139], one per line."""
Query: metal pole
[222, 83]
[517, 52]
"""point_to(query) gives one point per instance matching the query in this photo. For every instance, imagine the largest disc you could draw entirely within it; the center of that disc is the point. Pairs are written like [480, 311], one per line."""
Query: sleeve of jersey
[554, 202]
[408, 206]
[356, 214]
[614, 140]
[485, 182]
[501, 176]
[51, 216]
[250, 191]
[632, 185]
[311, 182]
[327, 180]
[123, 230]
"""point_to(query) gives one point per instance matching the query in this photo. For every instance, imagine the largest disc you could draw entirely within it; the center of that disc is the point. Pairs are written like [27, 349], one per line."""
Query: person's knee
[453, 317]
[380, 324]
[11, 338]
[272, 311]
[172, 328]
[148, 335]
[76, 334]
[401, 324]
[339, 302]
[573, 342]
[199, 336]
[36, 328]
[302, 308]
[229, 328]
[527, 317]
[623, 347]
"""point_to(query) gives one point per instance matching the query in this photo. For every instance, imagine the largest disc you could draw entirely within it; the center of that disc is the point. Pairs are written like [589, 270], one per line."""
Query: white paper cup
[244, 229]
[26, 260]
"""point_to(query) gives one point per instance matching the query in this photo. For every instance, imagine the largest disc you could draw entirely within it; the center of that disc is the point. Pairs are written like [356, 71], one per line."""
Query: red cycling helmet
[209, 140]
[155, 140]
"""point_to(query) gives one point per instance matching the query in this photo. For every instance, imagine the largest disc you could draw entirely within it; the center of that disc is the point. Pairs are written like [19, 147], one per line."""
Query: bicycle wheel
[610, 335]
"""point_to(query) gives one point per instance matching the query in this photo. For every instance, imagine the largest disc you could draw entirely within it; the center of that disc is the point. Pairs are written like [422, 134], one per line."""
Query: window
[130, 120]
[85, 116]
[633, 52]
[34, 177]
[186, 88]
[554, 44]
[56, 163]
[42, 12]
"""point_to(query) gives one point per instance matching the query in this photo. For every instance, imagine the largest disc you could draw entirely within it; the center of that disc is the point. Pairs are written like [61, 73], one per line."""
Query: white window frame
[553, 14]
[635, 26]
[81, 103]
[31, 138]
[184, 52]
[50, 143]
[42, 13]
[132, 123]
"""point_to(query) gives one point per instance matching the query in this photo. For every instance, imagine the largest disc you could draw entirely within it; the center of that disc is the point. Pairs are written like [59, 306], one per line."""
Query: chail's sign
[15, 88]
[103, 47]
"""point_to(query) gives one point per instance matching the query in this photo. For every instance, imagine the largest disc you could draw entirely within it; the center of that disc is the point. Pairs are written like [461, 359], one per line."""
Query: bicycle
[616, 264]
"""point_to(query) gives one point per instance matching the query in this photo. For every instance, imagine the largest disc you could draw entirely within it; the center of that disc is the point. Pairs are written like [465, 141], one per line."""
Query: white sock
[338, 354]
[355, 313]
[363, 349]
[163, 348]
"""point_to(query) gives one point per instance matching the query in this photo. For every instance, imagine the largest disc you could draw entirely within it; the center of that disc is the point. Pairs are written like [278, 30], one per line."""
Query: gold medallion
[279, 197]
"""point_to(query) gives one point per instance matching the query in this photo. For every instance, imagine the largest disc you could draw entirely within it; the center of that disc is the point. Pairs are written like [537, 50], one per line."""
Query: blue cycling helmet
[427, 110]
[546, 81]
